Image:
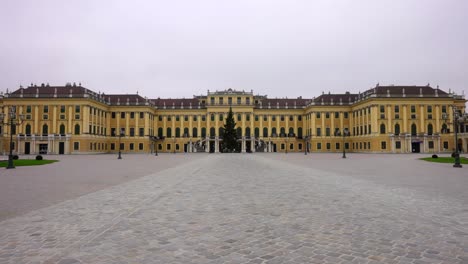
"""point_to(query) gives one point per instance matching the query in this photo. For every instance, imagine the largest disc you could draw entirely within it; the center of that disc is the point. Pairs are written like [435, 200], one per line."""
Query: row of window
[132, 115]
[45, 109]
[103, 146]
[274, 132]
[229, 101]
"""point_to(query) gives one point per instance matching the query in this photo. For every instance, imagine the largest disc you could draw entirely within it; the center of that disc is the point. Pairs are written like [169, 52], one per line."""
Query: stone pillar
[127, 124]
[323, 123]
[252, 145]
[207, 145]
[36, 120]
[70, 129]
[147, 126]
[422, 128]
[190, 126]
[216, 144]
[137, 128]
[85, 114]
[295, 125]
[165, 126]
[54, 119]
[388, 115]
[405, 119]
[243, 145]
[199, 126]
[261, 127]
[243, 125]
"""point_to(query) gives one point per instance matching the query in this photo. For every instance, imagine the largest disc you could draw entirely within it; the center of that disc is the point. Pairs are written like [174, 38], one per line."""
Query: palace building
[72, 119]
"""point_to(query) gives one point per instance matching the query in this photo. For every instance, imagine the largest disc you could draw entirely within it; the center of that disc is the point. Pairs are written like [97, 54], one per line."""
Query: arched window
[430, 129]
[203, 132]
[291, 132]
[194, 132]
[160, 132]
[62, 129]
[239, 132]
[397, 129]
[45, 129]
[247, 132]
[28, 129]
[186, 132]
[273, 132]
[382, 128]
[299, 132]
[177, 132]
[444, 129]
[168, 132]
[282, 132]
[257, 132]
[265, 132]
[212, 132]
[221, 131]
[414, 130]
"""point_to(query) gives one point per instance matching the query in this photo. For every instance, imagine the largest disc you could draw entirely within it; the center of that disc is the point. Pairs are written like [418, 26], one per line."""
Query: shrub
[15, 157]
[38, 157]
[435, 156]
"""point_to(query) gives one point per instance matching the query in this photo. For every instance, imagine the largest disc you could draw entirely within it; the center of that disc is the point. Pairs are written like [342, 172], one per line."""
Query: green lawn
[446, 160]
[26, 162]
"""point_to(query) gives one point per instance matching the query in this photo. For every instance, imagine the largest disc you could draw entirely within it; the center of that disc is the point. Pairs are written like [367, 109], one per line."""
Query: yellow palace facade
[72, 119]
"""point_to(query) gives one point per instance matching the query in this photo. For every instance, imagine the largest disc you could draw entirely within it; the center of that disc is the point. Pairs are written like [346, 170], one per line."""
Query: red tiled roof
[46, 90]
[408, 90]
[282, 102]
[336, 98]
[123, 99]
[159, 102]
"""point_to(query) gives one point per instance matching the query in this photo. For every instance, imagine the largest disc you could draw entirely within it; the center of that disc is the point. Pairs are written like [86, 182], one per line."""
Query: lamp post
[345, 134]
[306, 144]
[458, 119]
[156, 147]
[12, 122]
[120, 145]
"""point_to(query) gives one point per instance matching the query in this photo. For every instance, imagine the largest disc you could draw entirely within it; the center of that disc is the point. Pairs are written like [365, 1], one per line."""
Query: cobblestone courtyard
[243, 208]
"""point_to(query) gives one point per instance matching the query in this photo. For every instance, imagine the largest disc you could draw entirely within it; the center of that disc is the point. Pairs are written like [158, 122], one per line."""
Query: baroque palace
[72, 119]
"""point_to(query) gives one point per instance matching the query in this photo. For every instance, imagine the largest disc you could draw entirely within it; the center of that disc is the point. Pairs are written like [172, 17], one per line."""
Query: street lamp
[156, 147]
[120, 145]
[12, 122]
[458, 119]
[306, 143]
[345, 134]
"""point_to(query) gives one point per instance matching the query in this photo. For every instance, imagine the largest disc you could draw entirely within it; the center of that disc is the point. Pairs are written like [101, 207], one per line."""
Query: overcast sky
[279, 48]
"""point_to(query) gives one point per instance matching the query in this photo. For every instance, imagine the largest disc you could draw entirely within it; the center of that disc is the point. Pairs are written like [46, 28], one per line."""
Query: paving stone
[243, 209]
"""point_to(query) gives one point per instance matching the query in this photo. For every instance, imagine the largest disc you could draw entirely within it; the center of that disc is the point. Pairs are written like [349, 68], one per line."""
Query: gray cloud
[279, 48]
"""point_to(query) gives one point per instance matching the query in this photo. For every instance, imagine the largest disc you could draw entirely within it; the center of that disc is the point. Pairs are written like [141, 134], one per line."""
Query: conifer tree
[230, 135]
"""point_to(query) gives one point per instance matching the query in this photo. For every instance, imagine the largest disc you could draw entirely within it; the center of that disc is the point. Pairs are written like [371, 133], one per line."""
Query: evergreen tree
[230, 135]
